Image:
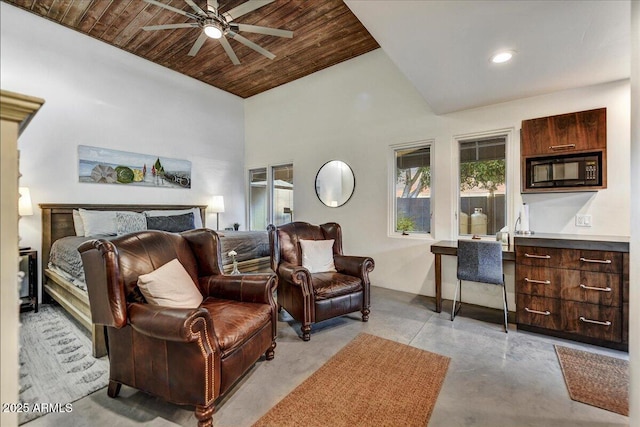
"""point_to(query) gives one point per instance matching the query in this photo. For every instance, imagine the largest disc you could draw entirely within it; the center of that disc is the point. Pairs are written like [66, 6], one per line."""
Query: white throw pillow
[77, 223]
[197, 218]
[98, 222]
[317, 255]
[170, 286]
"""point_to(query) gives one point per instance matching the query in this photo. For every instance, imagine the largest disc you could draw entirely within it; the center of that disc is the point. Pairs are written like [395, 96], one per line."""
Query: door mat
[595, 379]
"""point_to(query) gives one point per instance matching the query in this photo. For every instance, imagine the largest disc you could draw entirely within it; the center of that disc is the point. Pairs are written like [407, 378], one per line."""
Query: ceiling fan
[220, 26]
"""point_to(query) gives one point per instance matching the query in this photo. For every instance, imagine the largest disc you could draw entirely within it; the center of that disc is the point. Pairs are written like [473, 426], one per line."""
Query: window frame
[512, 182]
[391, 198]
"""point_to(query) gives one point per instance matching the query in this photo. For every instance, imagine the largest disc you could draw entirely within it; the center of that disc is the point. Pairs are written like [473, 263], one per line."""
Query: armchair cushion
[235, 322]
[317, 255]
[170, 286]
[330, 285]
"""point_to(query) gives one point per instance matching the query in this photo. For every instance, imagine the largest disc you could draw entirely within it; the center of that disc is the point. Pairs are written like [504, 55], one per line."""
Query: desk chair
[480, 261]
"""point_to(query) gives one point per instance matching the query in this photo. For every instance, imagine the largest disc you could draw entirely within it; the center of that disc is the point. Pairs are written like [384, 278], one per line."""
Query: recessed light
[501, 57]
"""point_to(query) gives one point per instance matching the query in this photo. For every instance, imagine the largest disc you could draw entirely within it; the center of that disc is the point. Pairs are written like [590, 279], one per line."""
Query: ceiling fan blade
[227, 48]
[171, 8]
[245, 8]
[198, 44]
[195, 7]
[251, 44]
[170, 26]
[265, 30]
[212, 5]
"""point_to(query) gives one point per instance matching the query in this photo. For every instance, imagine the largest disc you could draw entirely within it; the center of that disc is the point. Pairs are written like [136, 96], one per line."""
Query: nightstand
[29, 285]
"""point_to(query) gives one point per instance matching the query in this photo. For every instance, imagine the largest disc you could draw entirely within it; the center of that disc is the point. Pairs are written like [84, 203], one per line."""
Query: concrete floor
[494, 379]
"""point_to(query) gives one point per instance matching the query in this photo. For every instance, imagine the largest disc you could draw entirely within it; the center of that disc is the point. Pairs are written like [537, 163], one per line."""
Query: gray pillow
[173, 223]
[130, 222]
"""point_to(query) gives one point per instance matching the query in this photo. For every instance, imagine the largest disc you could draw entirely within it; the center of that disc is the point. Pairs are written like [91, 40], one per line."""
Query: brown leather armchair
[183, 355]
[311, 298]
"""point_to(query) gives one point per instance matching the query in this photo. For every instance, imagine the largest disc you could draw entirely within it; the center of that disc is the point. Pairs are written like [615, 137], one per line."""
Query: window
[483, 184]
[282, 190]
[270, 196]
[258, 199]
[412, 189]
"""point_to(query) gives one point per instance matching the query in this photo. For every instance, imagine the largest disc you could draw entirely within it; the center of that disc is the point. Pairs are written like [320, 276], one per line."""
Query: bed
[67, 289]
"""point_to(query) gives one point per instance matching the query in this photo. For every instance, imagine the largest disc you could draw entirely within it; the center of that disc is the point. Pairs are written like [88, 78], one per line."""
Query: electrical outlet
[583, 220]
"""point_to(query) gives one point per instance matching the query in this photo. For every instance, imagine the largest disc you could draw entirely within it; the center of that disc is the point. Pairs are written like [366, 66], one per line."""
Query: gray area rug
[56, 364]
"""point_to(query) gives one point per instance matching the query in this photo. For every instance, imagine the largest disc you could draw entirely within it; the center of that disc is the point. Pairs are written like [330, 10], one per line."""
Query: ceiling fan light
[213, 31]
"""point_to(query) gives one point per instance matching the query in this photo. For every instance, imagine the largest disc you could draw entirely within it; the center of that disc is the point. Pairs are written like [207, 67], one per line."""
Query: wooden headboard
[57, 219]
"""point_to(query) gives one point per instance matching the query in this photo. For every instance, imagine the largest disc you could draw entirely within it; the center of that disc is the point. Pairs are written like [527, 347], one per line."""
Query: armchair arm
[354, 265]
[294, 274]
[170, 324]
[256, 288]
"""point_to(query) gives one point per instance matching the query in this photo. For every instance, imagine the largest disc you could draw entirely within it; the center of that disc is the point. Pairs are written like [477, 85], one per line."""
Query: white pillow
[99, 222]
[317, 255]
[77, 223]
[197, 218]
[170, 286]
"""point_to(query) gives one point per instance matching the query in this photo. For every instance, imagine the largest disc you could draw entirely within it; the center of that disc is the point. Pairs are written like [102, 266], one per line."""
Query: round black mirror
[335, 183]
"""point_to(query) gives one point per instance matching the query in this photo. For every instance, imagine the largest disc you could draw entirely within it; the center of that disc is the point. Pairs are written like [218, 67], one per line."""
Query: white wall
[355, 110]
[102, 96]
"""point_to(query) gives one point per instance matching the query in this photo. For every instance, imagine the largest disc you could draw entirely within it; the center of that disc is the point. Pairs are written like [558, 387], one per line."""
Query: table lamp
[217, 206]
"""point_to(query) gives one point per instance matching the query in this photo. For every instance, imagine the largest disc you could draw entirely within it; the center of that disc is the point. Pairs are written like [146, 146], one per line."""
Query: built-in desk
[450, 247]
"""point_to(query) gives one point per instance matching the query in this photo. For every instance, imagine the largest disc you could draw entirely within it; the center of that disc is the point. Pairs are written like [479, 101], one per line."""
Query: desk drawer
[538, 281]
[538, 256]
[592, 320]
[600, 261]
[539, 311]
[573, 259]
[595, 288]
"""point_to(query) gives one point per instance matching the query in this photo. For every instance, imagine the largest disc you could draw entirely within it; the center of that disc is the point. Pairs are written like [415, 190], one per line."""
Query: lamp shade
[217, 204]
[24, 203]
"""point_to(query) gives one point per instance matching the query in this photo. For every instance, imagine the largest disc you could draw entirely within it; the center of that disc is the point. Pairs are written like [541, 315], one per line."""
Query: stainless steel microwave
[572, 170]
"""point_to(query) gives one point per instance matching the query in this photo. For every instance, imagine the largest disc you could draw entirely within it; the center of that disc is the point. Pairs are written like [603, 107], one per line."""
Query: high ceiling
[325, 32]
[442, 47]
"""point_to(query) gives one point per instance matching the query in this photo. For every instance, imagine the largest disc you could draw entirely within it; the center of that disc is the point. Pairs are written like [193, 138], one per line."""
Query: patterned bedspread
[248, 245]
[65, 259]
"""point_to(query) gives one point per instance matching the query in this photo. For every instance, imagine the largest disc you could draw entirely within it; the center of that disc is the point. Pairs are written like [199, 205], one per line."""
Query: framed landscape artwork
[105, 166]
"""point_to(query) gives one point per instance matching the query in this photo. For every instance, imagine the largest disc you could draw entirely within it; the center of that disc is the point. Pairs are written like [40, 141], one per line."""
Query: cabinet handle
[593, 288]
[597, 261]
[597, 322]
[545, 313]
[542, 282]
[562, 147]
[537, 256]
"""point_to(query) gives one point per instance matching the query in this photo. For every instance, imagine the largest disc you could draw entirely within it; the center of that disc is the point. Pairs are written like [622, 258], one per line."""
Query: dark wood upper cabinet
[564, 153]
[583, 131]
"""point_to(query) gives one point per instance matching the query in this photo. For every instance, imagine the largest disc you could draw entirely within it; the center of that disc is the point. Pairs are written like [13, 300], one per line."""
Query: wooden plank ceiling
[325, 33]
